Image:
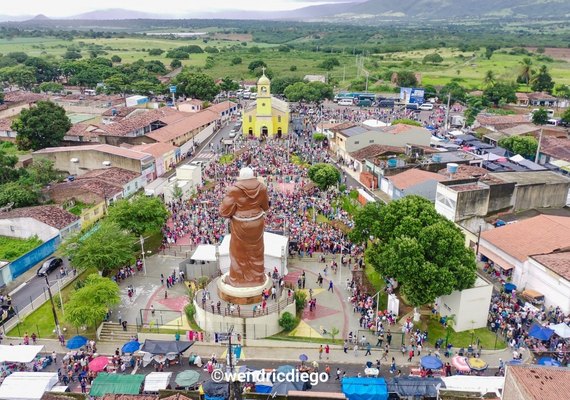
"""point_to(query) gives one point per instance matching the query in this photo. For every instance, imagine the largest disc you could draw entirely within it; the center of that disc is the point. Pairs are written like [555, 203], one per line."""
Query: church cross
[263, 70]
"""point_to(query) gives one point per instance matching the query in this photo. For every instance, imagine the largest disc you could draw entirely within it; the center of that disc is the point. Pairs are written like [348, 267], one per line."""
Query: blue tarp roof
[365, 388]
[409, 386]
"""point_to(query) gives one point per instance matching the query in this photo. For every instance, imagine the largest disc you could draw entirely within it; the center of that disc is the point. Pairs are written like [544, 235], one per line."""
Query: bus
[344, 95]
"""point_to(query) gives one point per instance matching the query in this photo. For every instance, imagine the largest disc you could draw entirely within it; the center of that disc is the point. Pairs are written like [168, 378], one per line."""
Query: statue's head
[245, 173]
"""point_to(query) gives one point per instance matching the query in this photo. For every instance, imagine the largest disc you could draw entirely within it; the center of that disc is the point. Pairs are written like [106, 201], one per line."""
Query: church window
[250, 118]
[262, 104]
[279, 118]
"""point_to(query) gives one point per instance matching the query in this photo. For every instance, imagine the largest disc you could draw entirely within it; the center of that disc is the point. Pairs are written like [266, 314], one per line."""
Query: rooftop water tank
[392, 163]
[452, 168]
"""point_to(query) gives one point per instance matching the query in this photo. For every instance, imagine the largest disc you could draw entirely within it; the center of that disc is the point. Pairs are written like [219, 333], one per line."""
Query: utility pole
[234, 386]
[538, 147]
[142, 252]
[56, 320]
[447, 112]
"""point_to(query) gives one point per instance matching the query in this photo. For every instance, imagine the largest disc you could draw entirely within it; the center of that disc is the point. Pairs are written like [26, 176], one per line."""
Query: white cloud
[55, 8]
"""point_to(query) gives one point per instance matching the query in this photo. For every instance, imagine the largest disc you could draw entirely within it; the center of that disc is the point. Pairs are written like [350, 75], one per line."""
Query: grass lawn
[463, 339]
[12, 248]
[284, 337]
[41, 320]
[378, 284]
[78, 208]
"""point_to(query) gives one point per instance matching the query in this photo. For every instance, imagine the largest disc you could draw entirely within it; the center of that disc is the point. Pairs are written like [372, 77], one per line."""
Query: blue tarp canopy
[509, 287]
[540, 332]
[414, 386]
[549, 361]
[365, 388]
[76, 342]
[431, 362]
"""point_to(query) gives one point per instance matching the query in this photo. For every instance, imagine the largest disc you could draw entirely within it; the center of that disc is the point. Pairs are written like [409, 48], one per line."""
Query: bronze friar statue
[245, 204]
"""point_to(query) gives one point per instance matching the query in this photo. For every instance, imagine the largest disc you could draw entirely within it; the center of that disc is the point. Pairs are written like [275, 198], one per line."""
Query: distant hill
[40, 17]
[115, 13]
[447, 9]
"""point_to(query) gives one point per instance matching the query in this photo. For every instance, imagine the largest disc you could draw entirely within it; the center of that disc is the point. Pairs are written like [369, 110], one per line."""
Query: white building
[533, 253]
[470, 306]
[188, 179]
[45, 222]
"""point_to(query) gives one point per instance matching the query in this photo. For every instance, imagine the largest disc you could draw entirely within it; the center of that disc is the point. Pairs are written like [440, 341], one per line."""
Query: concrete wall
[501, 197]
[470, 306]
[472, 203]
[540, 196]
[358, 142]
[556, 289]
[426, 189]
[250, 328]
[24, 228]
[88, 160]
[446, 202]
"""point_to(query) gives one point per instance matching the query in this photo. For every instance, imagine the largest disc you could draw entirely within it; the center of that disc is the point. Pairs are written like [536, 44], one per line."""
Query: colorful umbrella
[76, 342]
[431, 362]
[98, 364]
[303, 357]
[187, 378]
[476, 364]
[460, 364]
[131, 347]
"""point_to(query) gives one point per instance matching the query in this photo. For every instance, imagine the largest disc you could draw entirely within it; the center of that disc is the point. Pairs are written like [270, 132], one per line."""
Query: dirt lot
[555, 52]
[240, 37]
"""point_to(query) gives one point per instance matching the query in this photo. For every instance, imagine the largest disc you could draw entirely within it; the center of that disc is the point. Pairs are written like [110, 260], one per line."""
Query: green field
[12, 248]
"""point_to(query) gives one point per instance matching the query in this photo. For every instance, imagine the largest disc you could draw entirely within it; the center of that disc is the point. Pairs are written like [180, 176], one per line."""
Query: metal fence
[29, 308]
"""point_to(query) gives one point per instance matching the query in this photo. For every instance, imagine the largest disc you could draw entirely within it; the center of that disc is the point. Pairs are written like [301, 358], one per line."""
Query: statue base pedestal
[242, 295]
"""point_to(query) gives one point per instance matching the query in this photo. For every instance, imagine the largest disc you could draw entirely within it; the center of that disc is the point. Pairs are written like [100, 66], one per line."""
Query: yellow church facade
[266, 116]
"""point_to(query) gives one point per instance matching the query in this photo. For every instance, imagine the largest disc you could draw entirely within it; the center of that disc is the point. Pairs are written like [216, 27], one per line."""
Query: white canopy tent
[274, 244]
[19, 354]
[475, 384]
[561, 330]
[27, 385]
[156, 381]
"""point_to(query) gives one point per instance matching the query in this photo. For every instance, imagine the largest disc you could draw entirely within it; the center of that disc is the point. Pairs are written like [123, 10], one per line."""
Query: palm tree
[525, 74]
[489, 79]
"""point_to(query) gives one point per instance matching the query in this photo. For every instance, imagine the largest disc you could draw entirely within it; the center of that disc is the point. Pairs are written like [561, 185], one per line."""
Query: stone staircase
[113, 332]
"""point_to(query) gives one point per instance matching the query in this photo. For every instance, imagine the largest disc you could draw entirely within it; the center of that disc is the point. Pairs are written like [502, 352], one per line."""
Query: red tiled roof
[53, 216]
[376, 150]
[104, 148]
[97, 186]
[556, 147]
[558, 262]
[5, 124]
[538, 235]
[489, 119]
[179, 128]
[537, 382]
[130, 397]
[540, 96]
[19, 96]
[140, 120]
[414, 176]
[85, 130]
[120, 112]
[403, 128]
[223, 106]
[113, 174]
[155, 149]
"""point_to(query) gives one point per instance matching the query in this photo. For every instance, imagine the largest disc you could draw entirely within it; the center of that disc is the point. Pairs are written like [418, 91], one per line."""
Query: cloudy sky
[56, 8]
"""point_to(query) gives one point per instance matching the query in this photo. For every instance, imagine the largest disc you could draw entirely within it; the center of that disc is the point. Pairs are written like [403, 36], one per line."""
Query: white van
[549, 112]
[346, 102]
[426, 107]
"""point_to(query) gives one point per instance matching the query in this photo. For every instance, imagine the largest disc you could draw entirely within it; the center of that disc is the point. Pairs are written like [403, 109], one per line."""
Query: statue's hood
[251, 187]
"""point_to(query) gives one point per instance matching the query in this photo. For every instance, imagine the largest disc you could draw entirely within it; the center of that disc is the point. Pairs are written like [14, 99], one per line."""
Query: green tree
[177, 54]
[211, 49]
[433, 58]
[329, 63]
[256, 64]
[228, 84]
[455, 90]
[42, 172]
[474, 107]
[19, 56]
[116, 59]
[45, 70]
[19, 75]
[525, 73]
[561, 90]
[279, 84]
[88, 305]
[524, 145]
[566, 116]
[489, 50]
[106, 249]
[235, 61]
[18, 194]
[72, 55]
[406, 79]
[489, 79]
[8, 171]
[139, 215]
[175, 64]
[324, 175]
[500, 92]
[288, 321]
[365, 222]
[116, 84]
[540, 117]
[155, 52]
[41, 126]
[542, 81]
[197, 85]
[51, 87]
[311, 92]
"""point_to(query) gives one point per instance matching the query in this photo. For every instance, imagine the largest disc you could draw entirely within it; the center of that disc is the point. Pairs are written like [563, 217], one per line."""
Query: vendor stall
[19, 354]
[115, 384]
[365, 388]
[156, 381]
[27, 385]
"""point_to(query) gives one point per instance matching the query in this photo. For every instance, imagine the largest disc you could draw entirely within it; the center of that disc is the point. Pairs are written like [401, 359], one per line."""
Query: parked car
[387, 103]
[426, 107]
[49, 265]
[412, 106]
[233, 134]
[346, 102]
